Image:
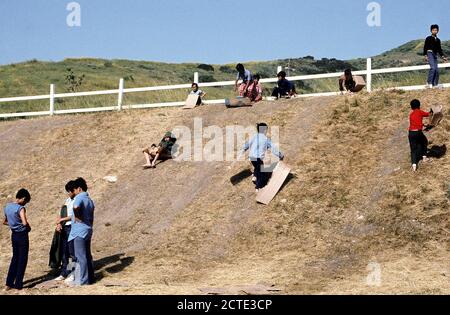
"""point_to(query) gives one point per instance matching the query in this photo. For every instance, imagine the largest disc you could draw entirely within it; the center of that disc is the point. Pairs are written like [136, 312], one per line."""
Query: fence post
[52, 99]
[279, 69]
[196, 79]
[120, 100]
[369, 75]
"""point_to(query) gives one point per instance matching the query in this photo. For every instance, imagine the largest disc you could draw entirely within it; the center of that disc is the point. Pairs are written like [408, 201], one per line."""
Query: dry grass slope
[352, 200]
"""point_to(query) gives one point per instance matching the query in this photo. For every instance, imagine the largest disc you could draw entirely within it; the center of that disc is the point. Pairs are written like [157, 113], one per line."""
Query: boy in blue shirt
[258, 146]
[16, 219]
[81, 232]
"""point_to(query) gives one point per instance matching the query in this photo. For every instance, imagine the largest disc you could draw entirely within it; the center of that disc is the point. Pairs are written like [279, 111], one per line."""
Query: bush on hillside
[206, 67]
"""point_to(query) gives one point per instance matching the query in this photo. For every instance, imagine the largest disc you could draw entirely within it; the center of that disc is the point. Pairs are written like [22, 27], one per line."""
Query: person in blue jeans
[258, 145]
[431, 50]
[16, 219]
[64, 226]
[81, 232]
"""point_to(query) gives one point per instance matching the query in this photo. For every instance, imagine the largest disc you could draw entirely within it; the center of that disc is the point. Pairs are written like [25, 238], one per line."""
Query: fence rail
[121, 91]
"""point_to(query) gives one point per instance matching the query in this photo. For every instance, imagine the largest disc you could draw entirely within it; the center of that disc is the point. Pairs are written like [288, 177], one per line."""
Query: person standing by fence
[431, 51]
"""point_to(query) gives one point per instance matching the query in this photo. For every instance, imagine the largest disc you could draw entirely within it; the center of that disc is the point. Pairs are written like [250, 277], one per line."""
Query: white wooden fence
[122, 90]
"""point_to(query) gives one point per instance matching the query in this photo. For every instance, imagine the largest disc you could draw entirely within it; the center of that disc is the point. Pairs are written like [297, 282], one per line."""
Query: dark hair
[415, 104]
[195, 84]
[257, 77]
[70, 186]
[348, 72]
[153, 145]
[434, 26]
[23, 194]
[262, 126]
[282, 74]
[80, 183]
[240, 67]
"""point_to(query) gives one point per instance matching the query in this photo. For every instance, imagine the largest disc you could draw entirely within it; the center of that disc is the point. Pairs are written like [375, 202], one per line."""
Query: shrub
[73, 81]
[226, 69]
[206, 67]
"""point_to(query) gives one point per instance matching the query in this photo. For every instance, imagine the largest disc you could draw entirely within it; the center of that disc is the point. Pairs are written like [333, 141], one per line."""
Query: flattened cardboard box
[238, 102]
[360, 83]
[279, 176]
[191, 101]
[437, 115]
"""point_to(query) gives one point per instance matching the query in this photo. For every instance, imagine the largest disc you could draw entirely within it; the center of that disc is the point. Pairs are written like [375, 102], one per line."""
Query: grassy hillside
[351, 200]
[34, 77]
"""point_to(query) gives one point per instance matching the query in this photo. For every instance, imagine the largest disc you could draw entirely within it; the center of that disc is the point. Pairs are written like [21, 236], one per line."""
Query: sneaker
[70, 279]
[60, 278]
[254, 179]
[414, 167]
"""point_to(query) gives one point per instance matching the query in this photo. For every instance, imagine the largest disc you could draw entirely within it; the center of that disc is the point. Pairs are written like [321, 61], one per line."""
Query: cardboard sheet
[279, 176]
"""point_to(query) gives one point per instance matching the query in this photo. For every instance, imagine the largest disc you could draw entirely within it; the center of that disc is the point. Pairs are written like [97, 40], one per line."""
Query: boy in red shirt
[417, 140]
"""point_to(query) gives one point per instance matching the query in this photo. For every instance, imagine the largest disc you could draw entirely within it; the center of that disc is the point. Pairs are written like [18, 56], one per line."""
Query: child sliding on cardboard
[258, 145]
[161, 152]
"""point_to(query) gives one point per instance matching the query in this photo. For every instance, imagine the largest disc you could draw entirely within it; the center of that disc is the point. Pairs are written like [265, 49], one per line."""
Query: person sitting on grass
[161, 152]
[197, 91]
[346, 82]
[285, 88]
[417, 140]
[255, 90]
[258, 145]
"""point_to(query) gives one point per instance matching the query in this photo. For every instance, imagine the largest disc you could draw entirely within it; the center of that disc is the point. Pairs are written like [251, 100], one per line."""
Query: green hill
[34, 77]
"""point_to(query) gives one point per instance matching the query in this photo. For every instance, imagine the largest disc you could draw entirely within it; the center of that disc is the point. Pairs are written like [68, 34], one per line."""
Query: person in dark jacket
[16, 219]
[431, 50]
[60, 256]
[285, 88]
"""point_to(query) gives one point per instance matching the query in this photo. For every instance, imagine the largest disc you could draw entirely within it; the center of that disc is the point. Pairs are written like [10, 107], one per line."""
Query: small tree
[73, 82]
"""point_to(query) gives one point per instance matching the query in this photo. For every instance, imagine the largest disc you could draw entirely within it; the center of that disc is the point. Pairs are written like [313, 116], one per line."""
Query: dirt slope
[184, 226]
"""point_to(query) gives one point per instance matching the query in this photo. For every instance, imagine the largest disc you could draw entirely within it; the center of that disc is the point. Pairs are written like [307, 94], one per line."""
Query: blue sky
[212, 31]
